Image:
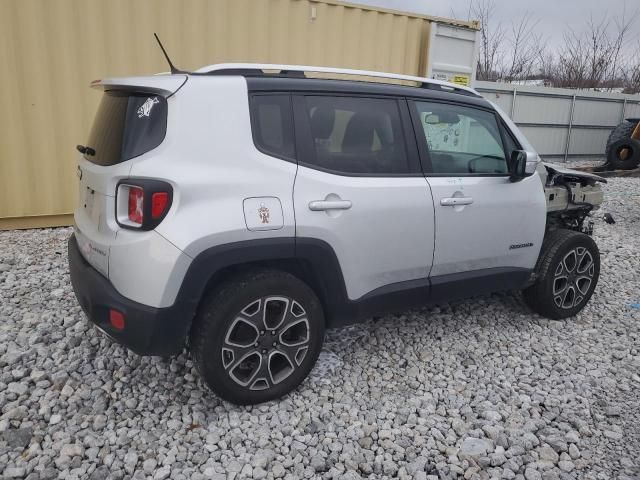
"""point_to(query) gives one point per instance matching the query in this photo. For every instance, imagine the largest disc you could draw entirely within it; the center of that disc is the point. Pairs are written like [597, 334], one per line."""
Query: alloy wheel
[266, 342]
[573, 278]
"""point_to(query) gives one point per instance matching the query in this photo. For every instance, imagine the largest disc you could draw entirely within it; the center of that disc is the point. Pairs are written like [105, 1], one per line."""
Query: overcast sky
[554, 16]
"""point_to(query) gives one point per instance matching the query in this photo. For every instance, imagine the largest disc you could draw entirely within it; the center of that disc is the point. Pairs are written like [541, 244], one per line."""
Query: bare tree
[548, 66]
[505, 54]
[491, 40]
[632, 73]
[526, 49]
[591, 58]
[571, 69]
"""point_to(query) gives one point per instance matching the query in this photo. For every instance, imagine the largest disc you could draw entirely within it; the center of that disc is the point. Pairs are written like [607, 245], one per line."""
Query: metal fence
[563, 125]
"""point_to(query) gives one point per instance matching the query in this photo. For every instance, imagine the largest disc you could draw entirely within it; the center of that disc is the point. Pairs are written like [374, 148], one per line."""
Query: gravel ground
[480, 389]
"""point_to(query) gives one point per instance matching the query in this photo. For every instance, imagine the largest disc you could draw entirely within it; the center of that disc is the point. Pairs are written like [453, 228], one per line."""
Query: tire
[257, 337]
[622, 132]
[632, 157]
[568, 270]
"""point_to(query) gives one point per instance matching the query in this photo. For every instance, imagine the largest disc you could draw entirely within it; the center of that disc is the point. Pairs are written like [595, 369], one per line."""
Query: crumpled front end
[571, 197]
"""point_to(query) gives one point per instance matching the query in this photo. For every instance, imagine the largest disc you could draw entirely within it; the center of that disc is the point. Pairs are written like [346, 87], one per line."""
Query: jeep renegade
[240, 210]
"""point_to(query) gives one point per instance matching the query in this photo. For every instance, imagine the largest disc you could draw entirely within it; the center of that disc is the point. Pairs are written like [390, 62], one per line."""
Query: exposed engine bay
[571, 197]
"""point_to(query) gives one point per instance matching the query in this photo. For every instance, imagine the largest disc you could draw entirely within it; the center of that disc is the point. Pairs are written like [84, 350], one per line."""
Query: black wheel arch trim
[316, 263]
[313, 261]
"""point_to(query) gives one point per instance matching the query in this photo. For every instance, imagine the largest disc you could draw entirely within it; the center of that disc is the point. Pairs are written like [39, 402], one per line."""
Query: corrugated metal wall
[563, 124]
[51, 50]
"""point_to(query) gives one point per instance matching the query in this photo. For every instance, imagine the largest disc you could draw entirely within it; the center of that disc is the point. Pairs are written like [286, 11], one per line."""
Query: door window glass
[356, 135]
[462, 140]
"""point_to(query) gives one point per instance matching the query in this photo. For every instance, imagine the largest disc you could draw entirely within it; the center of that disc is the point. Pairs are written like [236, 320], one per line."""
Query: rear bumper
[147, 330]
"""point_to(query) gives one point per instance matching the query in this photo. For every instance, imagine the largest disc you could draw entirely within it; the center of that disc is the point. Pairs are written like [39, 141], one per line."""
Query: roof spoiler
[164, 85]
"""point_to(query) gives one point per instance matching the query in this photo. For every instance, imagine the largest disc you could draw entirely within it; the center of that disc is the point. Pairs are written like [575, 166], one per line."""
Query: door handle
[321, 205]
[455, 201]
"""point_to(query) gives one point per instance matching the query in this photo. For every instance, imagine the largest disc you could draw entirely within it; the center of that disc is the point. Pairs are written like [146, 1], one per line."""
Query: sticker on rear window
[145, 109]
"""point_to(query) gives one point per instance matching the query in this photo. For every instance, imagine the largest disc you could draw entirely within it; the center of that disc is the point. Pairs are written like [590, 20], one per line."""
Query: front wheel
[568, 270]
[257, 338]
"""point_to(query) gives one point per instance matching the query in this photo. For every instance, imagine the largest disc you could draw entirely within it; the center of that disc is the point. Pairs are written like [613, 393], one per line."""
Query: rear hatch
[130, 122]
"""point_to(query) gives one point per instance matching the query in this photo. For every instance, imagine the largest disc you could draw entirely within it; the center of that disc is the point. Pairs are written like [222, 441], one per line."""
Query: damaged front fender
[557, 175]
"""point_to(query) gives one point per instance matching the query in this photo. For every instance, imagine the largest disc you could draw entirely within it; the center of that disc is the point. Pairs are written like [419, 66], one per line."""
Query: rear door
[486, 225]
[360, 189]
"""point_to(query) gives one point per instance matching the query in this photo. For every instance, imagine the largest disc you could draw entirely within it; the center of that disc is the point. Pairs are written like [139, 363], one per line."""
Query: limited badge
[145, 109]
[263, 213]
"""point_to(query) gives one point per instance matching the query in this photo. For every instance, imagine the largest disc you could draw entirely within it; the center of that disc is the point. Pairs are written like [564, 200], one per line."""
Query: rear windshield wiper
[86, 150]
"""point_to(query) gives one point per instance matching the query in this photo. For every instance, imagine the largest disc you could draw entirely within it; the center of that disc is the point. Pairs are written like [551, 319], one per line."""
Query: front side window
[356, 135]
[462, 140]
[272, 125]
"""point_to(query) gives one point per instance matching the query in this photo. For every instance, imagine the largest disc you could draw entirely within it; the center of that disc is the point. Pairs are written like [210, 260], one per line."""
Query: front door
[360, 189]
[486, 225]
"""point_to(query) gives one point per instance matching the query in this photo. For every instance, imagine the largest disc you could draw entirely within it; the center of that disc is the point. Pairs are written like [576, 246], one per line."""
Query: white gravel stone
[566, 466]
[480, 386]
[613, 435]
[14, 472]
[549, 454]
[149, 465]
[474, 447]
[55, 419]
[574, 452]
[572, 436]
[18, 388]
[162, 473]
[130, 461]
[72, 450]
[278, 470]
[492, 416]
[259, 473]
[532, 474]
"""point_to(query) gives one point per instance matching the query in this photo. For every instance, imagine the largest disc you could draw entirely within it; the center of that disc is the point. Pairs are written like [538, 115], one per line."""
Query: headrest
[358, 136]
[322, 120]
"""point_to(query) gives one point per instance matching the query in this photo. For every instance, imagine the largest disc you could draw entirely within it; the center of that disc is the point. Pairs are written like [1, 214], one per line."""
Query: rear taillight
[142, 204]
[135, 205]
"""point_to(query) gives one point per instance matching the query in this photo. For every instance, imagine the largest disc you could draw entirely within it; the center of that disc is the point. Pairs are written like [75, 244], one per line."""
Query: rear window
[126, 126]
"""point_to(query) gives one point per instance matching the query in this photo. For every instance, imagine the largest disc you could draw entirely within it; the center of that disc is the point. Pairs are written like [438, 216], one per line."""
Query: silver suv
[242, 209]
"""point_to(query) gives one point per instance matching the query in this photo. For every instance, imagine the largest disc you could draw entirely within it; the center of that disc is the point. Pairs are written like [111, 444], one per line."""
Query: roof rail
[258, 69]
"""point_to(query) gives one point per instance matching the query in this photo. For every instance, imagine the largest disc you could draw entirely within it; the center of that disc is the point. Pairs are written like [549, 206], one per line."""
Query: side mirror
[518, 165]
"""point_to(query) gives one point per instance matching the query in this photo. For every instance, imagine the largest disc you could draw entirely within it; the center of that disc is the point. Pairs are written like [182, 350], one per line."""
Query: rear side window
[272, 125]
[356, 135]
[126, 126]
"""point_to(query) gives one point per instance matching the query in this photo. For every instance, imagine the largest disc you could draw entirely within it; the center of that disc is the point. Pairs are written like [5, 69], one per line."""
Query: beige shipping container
[52, 49]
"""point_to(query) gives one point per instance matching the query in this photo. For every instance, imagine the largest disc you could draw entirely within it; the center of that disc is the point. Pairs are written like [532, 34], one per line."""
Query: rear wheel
[568, 270]
[256, 338]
